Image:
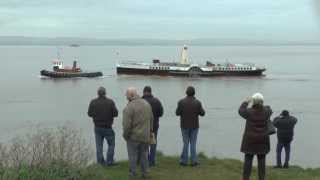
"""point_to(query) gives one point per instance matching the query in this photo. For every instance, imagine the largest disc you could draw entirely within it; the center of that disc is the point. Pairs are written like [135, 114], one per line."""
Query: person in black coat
[285, 125]
[255, 139]
[157, 111]
[102, 110]
[189, 109]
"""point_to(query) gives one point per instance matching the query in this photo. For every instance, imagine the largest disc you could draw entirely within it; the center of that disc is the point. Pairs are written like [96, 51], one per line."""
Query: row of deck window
[241, 69]
[218, 68]
[159, 67]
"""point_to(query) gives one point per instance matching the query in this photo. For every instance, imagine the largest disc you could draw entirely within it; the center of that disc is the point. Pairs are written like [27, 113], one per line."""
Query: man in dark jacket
[255, 140]
[157, 111]
[103, 110]
[285, 125]
[189, 109]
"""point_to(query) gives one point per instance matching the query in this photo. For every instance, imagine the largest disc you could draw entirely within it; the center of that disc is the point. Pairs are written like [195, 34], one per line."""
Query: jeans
[138, 155]
[189, 136]
[248, 166]
[100, 135]
[153, 151]
[287, 149]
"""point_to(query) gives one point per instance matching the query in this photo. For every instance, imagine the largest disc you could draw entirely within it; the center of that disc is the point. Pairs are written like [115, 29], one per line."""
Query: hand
[248, 99]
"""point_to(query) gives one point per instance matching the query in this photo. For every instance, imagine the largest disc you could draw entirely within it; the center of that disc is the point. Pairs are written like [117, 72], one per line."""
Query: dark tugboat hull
[54, 74]
[133, 71]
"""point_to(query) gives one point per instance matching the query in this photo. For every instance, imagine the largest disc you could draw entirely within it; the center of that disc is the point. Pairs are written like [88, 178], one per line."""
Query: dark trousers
[248, 158]
[152, 151]
[287, 148]
[109, 135]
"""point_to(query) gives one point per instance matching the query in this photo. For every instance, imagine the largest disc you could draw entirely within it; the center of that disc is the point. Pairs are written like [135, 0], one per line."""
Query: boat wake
[100, 77]
[295, 77]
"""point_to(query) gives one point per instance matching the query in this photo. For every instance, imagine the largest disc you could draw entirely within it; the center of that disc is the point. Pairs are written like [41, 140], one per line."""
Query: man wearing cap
[102, 110]
[285, 125]
[189, 109]
[157, 111]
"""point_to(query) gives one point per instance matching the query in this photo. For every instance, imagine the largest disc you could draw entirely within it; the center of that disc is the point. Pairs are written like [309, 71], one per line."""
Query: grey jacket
[137, 120]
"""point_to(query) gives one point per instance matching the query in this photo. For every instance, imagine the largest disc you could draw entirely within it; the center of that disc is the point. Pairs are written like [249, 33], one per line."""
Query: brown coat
[255, 137]
[189, 109]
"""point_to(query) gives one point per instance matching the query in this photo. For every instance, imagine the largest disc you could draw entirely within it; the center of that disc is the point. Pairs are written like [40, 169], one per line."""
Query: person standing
[285, 126]
[157, 111]
[102, 110]
[255, 140]
[189, 109]
[137, 129]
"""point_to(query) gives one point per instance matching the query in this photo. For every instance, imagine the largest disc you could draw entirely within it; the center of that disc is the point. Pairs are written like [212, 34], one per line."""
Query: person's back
[255, 140]
[285, 127]
[102, 110]
[137, 128]
[157, 108]
[157, 111]
[256, 129]
[189, 109]
[138, 120]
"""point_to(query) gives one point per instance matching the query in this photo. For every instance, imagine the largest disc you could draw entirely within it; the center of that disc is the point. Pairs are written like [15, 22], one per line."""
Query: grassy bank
[219, 169]
[167, 168]
[62, 154]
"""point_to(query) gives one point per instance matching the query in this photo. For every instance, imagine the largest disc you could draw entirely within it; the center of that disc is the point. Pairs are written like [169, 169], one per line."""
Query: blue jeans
[287, 149]
[189, 136]
[152, 152]
[100, 135]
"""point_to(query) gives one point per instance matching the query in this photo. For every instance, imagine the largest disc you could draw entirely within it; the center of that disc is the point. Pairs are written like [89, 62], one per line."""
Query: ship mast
[184, 55]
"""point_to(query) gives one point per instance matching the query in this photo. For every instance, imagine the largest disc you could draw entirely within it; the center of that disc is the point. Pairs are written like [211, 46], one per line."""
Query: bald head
[131, 92]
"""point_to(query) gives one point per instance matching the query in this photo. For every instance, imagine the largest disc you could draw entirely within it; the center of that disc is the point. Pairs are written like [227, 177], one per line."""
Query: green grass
[167, 169]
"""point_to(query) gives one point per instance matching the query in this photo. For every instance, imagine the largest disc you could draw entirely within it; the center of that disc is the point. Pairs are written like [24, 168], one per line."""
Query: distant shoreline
[164, 45]
[67, 41]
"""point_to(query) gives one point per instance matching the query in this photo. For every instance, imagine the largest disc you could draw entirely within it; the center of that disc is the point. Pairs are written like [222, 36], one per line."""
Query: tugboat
[185, 68]
[59, 71]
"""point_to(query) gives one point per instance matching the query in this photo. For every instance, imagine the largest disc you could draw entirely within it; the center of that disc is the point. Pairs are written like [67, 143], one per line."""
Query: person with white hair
[137, 130]
[255, 139]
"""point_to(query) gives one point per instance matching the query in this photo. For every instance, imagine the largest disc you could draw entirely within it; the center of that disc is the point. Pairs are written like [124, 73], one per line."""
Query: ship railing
[133, 63]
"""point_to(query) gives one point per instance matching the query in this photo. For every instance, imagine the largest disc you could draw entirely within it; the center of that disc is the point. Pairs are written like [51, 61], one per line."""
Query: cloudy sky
[162, 19]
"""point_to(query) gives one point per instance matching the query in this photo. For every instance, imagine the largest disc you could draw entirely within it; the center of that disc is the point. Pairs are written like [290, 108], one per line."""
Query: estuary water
[290, 82]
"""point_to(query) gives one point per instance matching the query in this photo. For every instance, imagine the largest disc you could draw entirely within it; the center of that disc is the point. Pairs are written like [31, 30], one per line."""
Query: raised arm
[243, 110]
[275, 121]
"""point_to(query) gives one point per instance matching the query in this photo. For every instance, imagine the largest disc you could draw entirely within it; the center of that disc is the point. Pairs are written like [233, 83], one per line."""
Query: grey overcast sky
[162, 19]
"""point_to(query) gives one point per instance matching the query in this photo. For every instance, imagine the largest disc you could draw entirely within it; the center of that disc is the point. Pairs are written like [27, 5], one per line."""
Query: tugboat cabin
[58, 67]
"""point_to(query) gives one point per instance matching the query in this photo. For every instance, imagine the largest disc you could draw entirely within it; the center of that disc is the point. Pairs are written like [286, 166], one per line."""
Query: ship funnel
[74, 65]
[184, 55]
